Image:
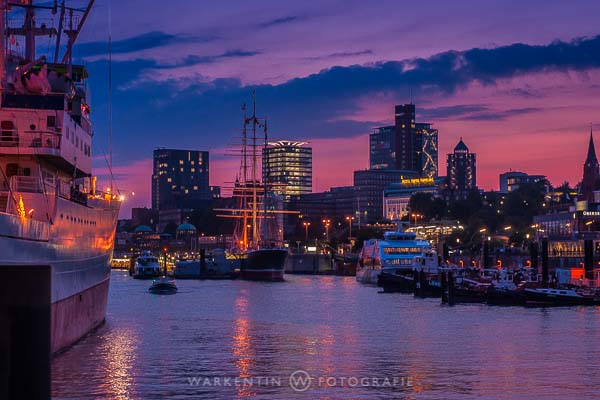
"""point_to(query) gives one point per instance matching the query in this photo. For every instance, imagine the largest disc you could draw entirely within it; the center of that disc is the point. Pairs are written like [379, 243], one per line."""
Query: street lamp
[327, 222]
[306, 225]
[415, 216]
[507, 228]
[349, 219]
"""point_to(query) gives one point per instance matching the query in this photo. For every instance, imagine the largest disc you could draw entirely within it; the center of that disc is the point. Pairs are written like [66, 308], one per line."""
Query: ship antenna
[2, 48]
[110, 95]
[60, 30]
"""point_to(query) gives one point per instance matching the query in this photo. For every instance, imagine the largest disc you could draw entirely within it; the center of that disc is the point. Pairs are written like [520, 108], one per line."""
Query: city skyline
[520, 94]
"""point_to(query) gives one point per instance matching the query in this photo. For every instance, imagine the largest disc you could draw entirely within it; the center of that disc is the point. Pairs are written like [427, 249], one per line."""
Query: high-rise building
[382, 148]
[406, 145]
[426, 150]
[591, 174]
[461, 171]
[180, 179]
[287, 166]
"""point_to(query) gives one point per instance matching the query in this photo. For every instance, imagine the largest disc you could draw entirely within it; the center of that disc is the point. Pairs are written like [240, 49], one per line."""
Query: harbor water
[233, 339]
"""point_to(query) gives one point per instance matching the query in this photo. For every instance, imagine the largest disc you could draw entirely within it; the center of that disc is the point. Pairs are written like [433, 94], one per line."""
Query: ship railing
[30, 139]
[32, 184]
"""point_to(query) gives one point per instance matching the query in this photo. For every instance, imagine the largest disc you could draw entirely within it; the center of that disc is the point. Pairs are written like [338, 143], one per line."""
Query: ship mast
[244, 185]
[265, 185]
[254, 181]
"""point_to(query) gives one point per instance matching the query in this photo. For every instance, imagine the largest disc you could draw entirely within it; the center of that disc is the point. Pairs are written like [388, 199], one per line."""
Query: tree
[427, 205]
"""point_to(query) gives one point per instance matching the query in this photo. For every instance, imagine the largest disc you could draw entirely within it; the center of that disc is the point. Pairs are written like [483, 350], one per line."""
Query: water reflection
[242, 350]
[330, 327]
[120, 356]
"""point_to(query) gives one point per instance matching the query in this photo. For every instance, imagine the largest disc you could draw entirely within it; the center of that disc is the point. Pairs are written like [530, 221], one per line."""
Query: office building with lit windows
[287, 167]
[382, 148]
[180, 179]
[405, 146]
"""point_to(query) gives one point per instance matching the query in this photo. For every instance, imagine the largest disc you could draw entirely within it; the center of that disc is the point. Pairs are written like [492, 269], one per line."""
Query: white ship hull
[78, 248]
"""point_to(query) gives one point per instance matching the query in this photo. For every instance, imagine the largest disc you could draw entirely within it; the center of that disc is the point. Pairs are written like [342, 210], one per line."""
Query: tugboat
[509, 287]
[402, 280]
[426, 276]
[395, 253]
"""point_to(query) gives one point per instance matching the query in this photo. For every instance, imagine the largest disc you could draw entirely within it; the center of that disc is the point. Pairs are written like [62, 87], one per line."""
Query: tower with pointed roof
[461, 172]
[591, 173]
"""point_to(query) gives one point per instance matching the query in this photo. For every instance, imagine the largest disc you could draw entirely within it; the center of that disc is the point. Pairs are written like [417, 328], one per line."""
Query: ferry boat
[396, 250]
[51, 214]
[147, 266]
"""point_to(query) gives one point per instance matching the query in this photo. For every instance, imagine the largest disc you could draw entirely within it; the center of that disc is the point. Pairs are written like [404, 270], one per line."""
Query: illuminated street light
[482, 230]
[415, 216]
[306, 225]
[349, 219]
[507, 228]
[327, 223]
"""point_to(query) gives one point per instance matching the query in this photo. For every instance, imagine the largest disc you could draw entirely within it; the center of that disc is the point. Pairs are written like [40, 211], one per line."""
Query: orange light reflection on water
[242, 347]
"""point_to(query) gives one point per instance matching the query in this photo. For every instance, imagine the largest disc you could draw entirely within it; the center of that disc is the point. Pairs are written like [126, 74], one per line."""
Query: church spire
[591, 158]
[591, 173]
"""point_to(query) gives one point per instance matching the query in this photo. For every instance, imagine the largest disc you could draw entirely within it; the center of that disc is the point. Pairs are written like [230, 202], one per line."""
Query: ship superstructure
[51, 213]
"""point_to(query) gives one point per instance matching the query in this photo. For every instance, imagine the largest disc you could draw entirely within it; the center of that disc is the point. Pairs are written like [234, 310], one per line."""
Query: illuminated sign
[591, 213]
[418, 181]
[401, 250]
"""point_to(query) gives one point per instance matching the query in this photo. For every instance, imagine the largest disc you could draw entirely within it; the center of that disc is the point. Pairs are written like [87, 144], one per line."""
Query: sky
[518, 81]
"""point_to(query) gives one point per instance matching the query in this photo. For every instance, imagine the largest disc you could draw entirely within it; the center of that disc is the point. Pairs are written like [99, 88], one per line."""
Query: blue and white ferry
[396, 249]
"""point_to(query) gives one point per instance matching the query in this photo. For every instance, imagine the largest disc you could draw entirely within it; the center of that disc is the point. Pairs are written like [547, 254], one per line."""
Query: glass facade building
[287, 167]
[406, 145]
[382, 148]
[180, 179]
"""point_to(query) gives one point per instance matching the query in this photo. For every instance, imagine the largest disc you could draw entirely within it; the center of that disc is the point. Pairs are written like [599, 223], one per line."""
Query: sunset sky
[519, 81]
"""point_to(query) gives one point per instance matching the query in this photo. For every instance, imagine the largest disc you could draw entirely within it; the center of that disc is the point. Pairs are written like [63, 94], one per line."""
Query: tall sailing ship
[257, 237]
[50, 211]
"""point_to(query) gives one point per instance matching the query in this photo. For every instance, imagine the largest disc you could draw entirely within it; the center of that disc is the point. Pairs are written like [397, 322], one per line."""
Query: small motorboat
[163, 285]
[559, 297]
